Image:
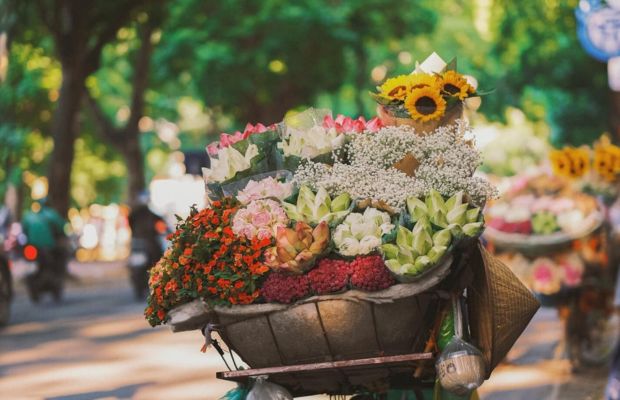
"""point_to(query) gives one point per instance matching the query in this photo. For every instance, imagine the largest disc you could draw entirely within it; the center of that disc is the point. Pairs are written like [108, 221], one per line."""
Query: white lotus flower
[312, 142]
[229, 161]
[361, 233]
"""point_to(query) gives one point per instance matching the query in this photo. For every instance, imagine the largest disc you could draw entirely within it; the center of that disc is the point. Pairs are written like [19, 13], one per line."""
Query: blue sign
[598, 28]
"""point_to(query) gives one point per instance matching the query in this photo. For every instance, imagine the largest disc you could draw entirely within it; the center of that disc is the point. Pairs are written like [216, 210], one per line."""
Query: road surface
[96, 345]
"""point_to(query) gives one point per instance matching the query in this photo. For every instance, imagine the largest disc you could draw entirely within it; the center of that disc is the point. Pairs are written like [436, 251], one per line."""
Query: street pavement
[96, 345]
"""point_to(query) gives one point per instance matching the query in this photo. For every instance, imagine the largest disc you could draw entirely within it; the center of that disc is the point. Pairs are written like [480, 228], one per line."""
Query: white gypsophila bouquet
[366, 168]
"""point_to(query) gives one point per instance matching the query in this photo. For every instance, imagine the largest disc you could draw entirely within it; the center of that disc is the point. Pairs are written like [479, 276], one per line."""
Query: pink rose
[261, 219]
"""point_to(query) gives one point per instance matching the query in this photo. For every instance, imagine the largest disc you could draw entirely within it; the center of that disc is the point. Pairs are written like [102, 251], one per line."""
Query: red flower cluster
[283, 288]
[329, 276]
[369, 273]
[206, 260]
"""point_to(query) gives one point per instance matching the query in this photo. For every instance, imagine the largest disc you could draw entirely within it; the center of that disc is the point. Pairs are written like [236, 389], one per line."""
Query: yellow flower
[611, 157]
[419, 80]
[453, 84]
[425, 104]
[570, 162]
[395, 88]
[604, 164]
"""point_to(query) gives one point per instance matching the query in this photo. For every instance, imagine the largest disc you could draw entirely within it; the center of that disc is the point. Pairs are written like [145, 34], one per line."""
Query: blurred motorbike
[50, 274]
[6, 289]
[143, 255]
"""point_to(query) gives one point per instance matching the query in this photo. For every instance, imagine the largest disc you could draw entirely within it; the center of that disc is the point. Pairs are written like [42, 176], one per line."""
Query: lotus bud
[404, 237]
[435, 203]
[291, 212]
[341, 203]
[439, 218]
[406, 256]
[390, 251]
[455, 200]
[304, 236]
[416, 208]
[296, 250]
[455, 229]
[322, 206]
[457, 215]
[409, 269]
[442, 238]
[422, 262]
[472, 229]
[436, 252]
[473, 214]
[422, 242]
[393, 265]
[320, 234]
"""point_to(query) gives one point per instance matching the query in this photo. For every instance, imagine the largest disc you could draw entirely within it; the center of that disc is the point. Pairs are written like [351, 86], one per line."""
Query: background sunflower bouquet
[596, 169]
[432, 91]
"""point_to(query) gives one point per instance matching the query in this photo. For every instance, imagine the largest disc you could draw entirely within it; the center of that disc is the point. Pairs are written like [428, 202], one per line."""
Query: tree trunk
[135, 168]
[65, 129]
[614, 119]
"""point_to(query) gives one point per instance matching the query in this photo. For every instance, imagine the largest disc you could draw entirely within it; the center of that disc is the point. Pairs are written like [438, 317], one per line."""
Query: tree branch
[141, 75]
[93, 57]
[105, 128]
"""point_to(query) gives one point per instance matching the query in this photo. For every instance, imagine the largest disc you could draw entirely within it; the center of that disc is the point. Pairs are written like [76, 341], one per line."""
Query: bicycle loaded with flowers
[316, 209]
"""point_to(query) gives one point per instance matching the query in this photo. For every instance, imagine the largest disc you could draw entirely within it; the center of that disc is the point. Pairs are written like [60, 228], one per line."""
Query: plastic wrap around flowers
[319, 205]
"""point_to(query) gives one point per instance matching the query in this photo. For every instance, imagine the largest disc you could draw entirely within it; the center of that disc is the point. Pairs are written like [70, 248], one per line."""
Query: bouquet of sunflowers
[432, 95]
[595, 169]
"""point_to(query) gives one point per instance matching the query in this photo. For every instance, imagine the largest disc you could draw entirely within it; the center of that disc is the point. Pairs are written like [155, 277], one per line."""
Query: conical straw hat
[500, 307]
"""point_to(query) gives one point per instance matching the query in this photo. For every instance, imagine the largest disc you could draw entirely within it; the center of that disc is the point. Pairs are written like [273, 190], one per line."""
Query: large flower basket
[357, 325]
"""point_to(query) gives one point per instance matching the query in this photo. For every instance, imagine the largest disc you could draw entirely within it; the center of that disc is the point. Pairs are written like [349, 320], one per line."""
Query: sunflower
[605, 164]
[419, 80]
[425, 104]
[395, 88]
[453, 84]
[570, 162]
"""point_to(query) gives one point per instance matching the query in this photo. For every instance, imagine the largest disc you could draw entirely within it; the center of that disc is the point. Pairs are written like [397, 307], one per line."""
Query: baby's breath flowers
[365, 167]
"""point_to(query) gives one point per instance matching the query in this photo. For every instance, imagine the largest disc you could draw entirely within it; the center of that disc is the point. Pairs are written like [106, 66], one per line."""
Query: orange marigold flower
[161, 314]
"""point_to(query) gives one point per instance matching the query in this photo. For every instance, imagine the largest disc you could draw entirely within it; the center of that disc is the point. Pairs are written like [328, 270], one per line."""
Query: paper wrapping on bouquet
[500, 307]
[452, 114]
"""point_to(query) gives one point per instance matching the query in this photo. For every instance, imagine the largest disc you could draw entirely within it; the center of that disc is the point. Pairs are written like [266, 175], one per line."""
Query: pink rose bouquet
[230, 139]
[260, 219]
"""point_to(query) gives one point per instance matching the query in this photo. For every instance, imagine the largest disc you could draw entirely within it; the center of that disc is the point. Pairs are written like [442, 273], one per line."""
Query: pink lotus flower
[344, 124]
[296, 249]
[230, 139]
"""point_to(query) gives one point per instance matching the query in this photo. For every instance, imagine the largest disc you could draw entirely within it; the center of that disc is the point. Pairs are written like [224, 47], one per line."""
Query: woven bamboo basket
[355, 325]
[422, 128]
